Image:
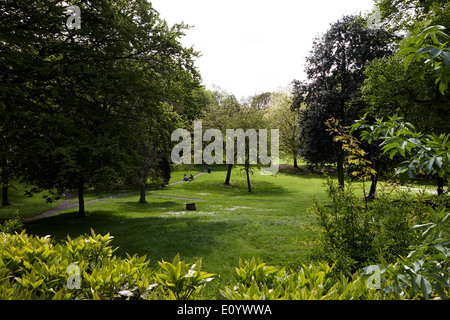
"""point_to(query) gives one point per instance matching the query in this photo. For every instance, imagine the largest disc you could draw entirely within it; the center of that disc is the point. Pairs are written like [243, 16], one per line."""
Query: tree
[227, 113]
[406, 15]
[335, 72]
[428, 154]
[153, 149]
[260, 101]
[250, 120]
[390, 89]
[84, 89]
[434, 57]
[222, 113]
[280, 115]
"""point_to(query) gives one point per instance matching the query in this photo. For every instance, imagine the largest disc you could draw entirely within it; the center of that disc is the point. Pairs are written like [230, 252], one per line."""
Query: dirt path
[67, 202]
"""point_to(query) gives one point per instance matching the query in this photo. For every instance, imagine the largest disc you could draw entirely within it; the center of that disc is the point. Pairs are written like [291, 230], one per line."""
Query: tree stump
[190, 206]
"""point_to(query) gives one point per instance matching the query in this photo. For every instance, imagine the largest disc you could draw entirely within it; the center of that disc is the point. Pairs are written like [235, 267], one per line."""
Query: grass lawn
[27, 206]
[271, 222]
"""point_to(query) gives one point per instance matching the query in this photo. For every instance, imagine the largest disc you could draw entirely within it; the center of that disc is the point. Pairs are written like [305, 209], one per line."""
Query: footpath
[67, 202]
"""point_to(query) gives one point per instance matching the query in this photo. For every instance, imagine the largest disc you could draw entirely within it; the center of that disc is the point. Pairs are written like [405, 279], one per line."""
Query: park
[112, 188]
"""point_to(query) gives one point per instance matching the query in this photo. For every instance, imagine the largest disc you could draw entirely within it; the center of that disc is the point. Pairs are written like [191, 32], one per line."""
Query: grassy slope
[271, 222]
[27, 206]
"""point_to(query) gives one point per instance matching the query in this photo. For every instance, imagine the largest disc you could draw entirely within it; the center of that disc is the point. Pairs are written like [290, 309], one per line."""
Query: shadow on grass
[142, 232]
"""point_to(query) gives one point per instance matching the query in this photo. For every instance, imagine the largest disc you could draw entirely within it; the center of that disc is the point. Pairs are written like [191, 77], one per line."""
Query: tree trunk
[373, 186]
[340, 168]
[142, 193]
[295, 161]
[81, 212]
[440, 183]
[248, 179]
[227, 179]
[5, 179]
[5, 196]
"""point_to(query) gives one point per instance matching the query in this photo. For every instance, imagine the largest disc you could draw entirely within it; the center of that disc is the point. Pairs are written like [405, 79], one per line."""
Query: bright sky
[253, 46]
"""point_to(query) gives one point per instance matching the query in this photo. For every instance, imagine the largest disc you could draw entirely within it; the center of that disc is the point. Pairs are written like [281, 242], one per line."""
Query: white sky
[252, 46]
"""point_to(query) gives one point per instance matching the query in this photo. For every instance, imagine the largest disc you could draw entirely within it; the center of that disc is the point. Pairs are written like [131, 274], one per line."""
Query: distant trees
[221, 113]
[225, 112]
[280, 115]
[74, 101]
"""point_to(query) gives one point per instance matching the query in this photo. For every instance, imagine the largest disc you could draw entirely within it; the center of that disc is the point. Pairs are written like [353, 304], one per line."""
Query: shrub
[424, 273]
[311, 282]
[182, 281]
[356, 233]
[12, 225]
[33, 268]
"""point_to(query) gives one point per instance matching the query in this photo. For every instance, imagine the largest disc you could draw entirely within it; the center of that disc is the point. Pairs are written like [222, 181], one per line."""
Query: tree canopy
[335, 71]
[73, 98]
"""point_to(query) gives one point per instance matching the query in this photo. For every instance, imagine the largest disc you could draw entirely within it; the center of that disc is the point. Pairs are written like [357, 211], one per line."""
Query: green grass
[272, 222]
[27, 206]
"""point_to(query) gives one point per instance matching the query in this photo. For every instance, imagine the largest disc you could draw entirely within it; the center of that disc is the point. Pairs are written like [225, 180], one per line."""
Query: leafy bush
[85, 268]
[182, 280]
[425, 272]
[356, 233]
[257, 281]
[12, 225]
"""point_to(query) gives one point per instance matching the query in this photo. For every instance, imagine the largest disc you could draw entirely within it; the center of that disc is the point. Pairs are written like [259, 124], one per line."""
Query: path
[67, 202]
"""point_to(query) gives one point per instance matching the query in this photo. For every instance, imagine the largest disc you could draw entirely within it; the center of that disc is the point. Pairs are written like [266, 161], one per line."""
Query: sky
[253, 46]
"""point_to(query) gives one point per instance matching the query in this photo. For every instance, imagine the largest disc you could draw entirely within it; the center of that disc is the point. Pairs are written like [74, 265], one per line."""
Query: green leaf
[425, 50]
[446, 57]
[433, 214]
[442, 87]
[429, 164]
[438, 288]
[435, 52]
[426, 288]
[406, 50]
[404, 177]
[408, 60]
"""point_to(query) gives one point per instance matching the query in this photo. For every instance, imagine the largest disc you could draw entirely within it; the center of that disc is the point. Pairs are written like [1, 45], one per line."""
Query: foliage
[73, 98]
[281, 116]
[427, 154]
[35, 268]
[425, 272]
[182, 280]
[434, 57]
[355, 234]
[224, 113]
[357, 157]
[407, 15]
[257, 281]
[390, 89]
[335, 72]
[12, 225]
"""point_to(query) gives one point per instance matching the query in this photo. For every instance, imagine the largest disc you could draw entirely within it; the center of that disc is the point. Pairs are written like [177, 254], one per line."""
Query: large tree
[80, 93]
[334, 70]
[407, 15]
